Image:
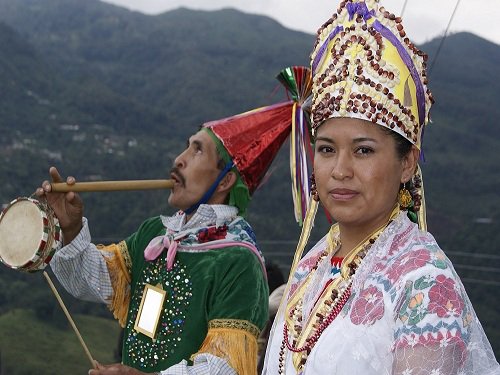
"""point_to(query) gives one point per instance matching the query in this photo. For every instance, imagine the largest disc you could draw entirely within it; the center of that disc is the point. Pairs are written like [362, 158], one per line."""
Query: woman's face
[358, 172]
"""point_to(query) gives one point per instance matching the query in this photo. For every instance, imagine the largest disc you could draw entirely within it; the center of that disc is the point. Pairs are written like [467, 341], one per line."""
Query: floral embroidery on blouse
[444, 298]
[410, 261]
[368, 307]
[426, 297]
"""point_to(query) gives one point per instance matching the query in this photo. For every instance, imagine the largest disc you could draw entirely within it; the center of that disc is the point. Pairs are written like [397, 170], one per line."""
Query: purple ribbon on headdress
[361, 9]
[405, 56]
[156, 247]
[322, 49]
[352, 9]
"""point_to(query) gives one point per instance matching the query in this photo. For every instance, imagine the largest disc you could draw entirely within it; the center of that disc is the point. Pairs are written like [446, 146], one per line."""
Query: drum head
[21, 231]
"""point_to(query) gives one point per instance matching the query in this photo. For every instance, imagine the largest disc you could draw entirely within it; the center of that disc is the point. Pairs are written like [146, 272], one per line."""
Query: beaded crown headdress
[363, 65]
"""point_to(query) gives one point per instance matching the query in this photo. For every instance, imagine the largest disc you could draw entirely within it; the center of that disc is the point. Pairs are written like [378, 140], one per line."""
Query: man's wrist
[70, 234]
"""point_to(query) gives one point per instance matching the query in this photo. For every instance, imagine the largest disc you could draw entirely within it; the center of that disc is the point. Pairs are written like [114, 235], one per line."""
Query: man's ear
[227, 182]
[410, 163]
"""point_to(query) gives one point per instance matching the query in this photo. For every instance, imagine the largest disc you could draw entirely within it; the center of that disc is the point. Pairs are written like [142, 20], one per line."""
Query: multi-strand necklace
[300, 338]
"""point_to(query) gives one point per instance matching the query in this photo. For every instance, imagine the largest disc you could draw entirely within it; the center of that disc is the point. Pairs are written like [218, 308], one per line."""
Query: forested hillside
[105, 93]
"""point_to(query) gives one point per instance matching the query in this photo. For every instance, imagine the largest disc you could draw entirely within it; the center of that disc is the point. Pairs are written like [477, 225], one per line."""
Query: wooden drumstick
[66, 312]
[63, 187]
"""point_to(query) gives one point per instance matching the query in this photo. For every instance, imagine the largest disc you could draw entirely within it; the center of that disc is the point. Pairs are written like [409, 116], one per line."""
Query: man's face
[194, 171]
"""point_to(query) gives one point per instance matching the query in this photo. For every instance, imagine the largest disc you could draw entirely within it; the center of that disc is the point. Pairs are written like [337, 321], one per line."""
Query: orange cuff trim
[119, 264]
[237, 346]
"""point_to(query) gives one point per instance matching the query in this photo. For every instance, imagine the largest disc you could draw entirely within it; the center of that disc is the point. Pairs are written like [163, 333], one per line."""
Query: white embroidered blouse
[408, 314]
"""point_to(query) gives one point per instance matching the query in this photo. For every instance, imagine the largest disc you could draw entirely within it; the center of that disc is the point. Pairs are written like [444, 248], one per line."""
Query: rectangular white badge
[150, 310]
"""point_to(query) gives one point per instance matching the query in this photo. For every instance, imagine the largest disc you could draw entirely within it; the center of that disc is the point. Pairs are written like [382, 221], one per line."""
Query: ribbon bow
[359, 8]
[156, 247]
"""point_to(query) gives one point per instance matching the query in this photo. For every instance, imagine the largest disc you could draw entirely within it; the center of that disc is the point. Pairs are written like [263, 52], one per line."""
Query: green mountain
[188, 65]
[460, 145]
[105, 93]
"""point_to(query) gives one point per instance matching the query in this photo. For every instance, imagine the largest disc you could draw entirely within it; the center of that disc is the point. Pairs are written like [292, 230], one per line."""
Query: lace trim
[244, 325]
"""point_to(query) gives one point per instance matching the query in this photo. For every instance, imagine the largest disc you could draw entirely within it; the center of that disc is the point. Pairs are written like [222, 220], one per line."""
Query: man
[202, 263]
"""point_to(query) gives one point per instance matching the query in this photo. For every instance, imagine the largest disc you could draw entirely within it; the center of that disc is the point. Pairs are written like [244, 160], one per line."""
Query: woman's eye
[364, 150]
[325, 149]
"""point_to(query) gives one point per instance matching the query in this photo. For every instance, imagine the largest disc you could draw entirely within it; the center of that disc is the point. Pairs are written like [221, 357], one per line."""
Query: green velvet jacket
[225, 286]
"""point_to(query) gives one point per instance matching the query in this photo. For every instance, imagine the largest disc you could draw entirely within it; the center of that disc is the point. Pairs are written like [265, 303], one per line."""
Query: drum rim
[43, 254]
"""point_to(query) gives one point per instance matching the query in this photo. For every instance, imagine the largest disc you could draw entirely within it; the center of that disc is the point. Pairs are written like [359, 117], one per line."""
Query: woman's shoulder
[404, 238]
[411, 251]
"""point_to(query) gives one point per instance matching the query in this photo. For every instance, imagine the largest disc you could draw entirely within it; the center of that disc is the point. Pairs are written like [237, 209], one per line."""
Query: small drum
[29, 235]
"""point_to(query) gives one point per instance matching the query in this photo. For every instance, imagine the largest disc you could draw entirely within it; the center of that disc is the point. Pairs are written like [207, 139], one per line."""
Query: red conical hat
[253, 139]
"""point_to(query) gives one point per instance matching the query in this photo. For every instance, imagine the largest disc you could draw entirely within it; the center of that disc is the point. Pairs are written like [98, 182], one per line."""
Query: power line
[444, 37]
[477, 268]
[473, 255]
[404, 8]
[478, 281]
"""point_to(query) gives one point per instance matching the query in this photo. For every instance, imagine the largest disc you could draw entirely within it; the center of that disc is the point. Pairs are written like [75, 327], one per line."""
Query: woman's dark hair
[403, 146]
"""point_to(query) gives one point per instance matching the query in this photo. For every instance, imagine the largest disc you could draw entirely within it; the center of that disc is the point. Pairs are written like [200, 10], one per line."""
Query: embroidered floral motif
[439, 259]
[444, 299]
[247, 233]
[412, 310]
[303, 269]
[368, 306]
[399, 241]
[237, 230]
[410, 261]
[212, 234]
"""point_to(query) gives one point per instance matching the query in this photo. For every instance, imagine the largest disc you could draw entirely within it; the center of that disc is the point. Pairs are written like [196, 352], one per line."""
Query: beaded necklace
[300, 338]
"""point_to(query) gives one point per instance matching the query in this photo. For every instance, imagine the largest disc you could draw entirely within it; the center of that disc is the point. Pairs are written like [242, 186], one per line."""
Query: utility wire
[483, 282]
[477, 268]
[444, 37]
[473, 255]
[404, 8]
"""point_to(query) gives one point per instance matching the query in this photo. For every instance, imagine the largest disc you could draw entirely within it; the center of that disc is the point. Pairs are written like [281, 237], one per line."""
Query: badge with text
[150, 310]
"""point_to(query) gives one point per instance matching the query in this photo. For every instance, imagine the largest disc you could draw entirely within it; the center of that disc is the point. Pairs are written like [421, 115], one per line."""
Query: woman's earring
[314, 191]
[404, 197]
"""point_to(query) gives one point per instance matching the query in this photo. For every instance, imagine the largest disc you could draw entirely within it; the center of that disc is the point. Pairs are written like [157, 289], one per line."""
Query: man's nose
[180, 160]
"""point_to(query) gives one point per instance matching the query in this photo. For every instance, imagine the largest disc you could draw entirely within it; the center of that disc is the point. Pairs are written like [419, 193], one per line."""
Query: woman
[376, 295]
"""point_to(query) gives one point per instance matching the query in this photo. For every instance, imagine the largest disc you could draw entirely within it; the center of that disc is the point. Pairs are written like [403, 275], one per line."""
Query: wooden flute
[63, 187]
